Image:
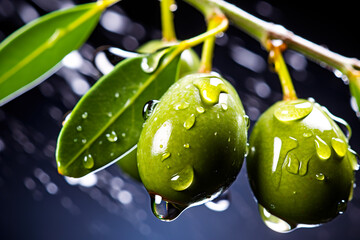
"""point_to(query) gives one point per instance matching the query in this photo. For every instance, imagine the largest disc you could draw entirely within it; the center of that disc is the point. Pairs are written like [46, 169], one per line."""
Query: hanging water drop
[66, 117]
[88, 161]
[151, 62]
[210, 89]
[322, 149]
[149, 108]
[163, 210]
[274, 223]
[341, 207]
[111, 137]
[220, 203]
[339, 146]
[190, 121]
[294, 110]
[183, 179]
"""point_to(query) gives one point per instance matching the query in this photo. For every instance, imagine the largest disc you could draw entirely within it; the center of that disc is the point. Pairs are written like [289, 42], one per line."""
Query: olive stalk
[263, 31]
[167, 20]
[208, 48]
[275, 48]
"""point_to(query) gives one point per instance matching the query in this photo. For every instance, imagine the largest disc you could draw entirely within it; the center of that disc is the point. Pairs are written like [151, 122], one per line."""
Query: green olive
[189, 60]
[193, 144]
[299, 164]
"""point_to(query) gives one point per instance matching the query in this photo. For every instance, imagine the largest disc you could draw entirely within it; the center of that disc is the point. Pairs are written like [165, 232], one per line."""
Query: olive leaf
[354, 85]
[32, 52]
[106, 123]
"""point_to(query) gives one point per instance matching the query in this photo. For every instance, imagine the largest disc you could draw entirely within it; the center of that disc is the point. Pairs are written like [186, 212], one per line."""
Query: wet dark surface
[38, 203]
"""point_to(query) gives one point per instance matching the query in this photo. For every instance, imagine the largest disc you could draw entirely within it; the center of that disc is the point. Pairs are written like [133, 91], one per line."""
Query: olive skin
[299, 165]
[193, 145]
[189, 63]
[189, 60]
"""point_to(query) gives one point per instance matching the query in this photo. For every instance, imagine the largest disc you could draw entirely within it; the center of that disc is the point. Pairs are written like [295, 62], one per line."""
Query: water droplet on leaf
[79, 128]
[186, 145]
[88, 161]
[83, 140]
[84, 115]
[151, 62]
[183, 179]
[112, 137]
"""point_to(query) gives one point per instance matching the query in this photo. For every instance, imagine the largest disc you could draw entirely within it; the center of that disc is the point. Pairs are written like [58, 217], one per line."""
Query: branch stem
[263, 31]
[167, 20]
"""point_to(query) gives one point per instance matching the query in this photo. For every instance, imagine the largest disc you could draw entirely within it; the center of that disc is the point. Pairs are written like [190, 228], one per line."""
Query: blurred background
[38, 203]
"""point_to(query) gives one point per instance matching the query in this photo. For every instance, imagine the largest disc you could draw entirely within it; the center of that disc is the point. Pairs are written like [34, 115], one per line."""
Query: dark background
[38, 203]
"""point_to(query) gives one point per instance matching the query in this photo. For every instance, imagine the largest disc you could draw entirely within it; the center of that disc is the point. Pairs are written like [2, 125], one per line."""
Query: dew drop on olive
[300, 166]
[184, 156]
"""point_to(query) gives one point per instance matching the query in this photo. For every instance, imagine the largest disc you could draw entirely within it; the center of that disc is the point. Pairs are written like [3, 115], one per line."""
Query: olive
[189, 60]
[192, 146]
[300, 167]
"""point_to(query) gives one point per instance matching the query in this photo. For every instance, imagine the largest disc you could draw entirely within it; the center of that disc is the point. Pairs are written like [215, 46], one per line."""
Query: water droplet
[210, 89]
[200, 109]
[75, 139]
[66, 117]
[341, 122]
[307, 134]
[182, 106]
[190, 121]
[117, 95]
[83, 140]
[291, 111]
[109, 114]
[100, 142]
[123, 134]
[215, 133]
[79, 128]
[186, 145]
[163, 210]
[149, 108]
[274, 223]
[247, 121]
[322, 149]
[339, 146]
[88, 161]
[165, 156]
[341, 207]
[220, 203]
[353, 158]
[224, 106]
[320, 176]
[84, 115]
[293, 163]
[229, 139]
[151, 62]
[183, 179]
[112, 137]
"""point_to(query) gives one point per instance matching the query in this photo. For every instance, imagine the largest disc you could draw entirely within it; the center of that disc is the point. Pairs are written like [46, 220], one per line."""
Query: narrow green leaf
[28, 55]
[107, 121]
[354, 85]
